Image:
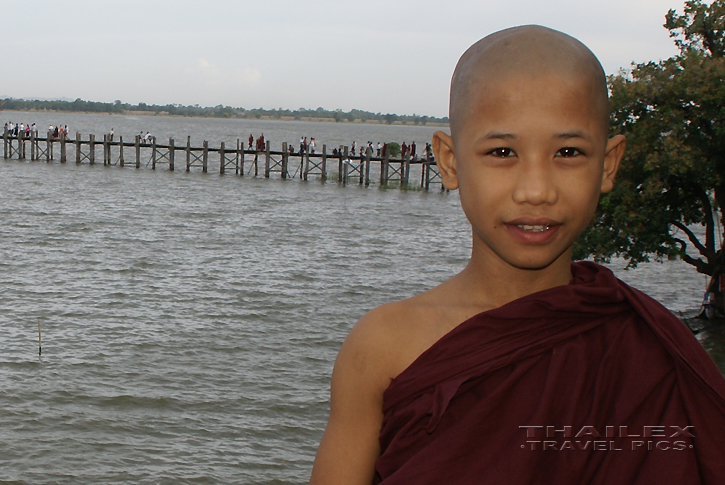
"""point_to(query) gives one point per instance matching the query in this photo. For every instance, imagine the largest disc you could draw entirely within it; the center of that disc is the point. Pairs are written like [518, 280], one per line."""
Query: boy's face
[530, 159]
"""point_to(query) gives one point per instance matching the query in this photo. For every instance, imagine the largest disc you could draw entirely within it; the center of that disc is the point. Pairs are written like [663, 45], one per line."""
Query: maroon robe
[593, 382]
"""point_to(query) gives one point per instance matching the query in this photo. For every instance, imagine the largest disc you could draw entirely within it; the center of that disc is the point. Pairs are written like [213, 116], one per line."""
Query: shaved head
[530, 51]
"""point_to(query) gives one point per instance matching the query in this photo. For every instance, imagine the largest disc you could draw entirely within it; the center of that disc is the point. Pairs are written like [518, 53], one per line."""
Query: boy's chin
[536, 260]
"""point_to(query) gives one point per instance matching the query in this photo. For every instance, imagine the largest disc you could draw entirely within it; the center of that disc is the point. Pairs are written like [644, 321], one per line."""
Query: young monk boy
[525, 368]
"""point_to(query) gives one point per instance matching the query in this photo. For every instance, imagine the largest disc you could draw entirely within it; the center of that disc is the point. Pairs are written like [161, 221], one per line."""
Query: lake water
[190, 321]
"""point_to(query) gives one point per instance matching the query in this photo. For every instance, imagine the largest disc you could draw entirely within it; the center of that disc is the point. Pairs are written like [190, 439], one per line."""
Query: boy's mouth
[530, 230]
[533, 228]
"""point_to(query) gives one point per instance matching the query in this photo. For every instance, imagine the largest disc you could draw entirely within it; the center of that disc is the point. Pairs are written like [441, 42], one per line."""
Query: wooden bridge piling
[92, 149]
[188, 153]
[384, 165]
[285, 160]
[305, 161]
[368, 156]
[21, 156]
[104, 145]
[343, 161]
[323, 168]
[241, 165]
[171, 154]
[236, 158]
[339, 164]
[121, 161]
[78, 147]
[405, 171]
[137, 146]
[222, 159]
[345, 165]
[63, 149]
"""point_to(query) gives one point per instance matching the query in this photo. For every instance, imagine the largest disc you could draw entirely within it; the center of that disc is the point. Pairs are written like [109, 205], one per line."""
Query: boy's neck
[495, 282]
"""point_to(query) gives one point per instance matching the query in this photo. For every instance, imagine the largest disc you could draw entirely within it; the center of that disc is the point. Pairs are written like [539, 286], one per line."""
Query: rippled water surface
[190, 321]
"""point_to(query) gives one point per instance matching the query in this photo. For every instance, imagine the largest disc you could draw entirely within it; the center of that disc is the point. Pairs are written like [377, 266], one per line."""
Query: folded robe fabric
[593, 382]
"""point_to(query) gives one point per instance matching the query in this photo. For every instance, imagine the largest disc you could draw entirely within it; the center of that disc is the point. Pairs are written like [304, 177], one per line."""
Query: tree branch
[702, 266]
[695, 242]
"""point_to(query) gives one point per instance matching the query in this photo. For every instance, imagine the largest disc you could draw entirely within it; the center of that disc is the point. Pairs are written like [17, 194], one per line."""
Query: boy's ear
[612, 156]
[446, 159]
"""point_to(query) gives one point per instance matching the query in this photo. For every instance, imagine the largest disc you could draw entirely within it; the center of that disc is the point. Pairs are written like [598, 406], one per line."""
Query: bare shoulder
[349, 446]
[377, 339]
[390, 337]
[396, 333]
[380, 346]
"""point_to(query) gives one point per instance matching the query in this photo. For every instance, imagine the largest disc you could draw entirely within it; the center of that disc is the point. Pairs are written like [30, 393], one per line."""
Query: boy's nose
[534, 184]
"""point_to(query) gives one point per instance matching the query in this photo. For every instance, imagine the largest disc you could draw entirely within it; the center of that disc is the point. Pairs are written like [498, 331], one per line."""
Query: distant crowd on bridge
[29, 130]
[379, 149]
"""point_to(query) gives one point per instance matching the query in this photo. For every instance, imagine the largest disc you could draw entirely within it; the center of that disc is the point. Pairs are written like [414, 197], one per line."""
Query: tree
[390, 118]
[394, 149]
[672, 178]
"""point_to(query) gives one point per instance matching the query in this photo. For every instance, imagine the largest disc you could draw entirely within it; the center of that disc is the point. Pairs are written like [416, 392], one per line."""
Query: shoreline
[254, 118]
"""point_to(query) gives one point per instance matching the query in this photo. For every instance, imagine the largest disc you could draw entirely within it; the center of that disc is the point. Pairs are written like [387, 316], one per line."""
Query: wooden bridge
[244, 162]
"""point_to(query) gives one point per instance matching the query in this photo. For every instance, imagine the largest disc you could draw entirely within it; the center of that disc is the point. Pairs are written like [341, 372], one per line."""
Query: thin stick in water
[40, 349]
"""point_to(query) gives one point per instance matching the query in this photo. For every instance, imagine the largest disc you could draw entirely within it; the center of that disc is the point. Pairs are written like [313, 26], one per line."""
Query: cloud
[209, 74]
[249, 76]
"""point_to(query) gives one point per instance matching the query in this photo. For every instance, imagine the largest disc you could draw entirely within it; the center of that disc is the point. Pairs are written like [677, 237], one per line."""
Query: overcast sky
[377, 55]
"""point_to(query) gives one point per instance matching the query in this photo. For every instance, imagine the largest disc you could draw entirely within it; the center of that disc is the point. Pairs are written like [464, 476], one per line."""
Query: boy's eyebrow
[510, 136]
[574, 134]
[498, 136]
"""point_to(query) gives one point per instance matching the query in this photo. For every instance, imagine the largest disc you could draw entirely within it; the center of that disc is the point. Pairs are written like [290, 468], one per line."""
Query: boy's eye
[502, 152]
[568, 152]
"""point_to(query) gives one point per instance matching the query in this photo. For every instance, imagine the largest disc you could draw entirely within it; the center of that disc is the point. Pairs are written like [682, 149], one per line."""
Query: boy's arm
[349, 446]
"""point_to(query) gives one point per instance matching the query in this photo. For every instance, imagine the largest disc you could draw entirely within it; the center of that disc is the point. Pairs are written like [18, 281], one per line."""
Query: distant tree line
[219, 111]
